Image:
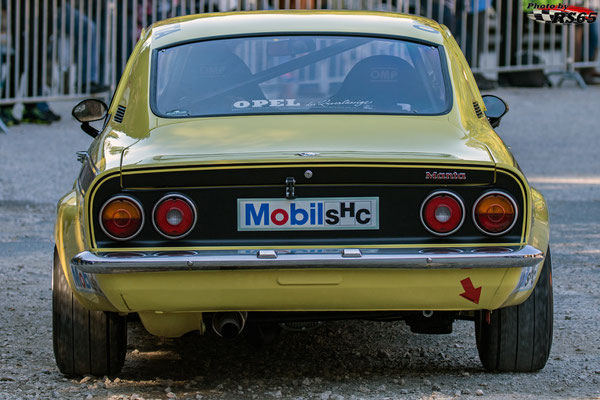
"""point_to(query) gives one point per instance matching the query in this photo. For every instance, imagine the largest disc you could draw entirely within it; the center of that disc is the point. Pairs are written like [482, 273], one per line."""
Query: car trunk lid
[429, 141]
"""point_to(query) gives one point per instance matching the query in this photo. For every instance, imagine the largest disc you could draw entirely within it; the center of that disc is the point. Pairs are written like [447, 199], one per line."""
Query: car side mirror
[495, 109]
[88, 111]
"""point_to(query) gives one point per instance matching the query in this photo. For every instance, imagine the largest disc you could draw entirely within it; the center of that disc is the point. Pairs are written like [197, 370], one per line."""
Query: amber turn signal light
[495, 213]
[121, 218]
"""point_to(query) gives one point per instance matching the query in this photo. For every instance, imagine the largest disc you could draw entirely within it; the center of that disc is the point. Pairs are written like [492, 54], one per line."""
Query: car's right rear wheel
[519, 338]
[85, 342]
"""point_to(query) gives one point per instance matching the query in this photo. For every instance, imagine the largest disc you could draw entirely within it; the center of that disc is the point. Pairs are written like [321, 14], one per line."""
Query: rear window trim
[440, 47]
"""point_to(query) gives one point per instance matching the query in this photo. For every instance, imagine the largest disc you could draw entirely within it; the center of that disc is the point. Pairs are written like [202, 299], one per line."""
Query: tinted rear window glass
[300, 74]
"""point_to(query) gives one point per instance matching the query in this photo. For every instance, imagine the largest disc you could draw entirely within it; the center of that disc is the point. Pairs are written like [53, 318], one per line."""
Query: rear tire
[85, 342]
[519, 338]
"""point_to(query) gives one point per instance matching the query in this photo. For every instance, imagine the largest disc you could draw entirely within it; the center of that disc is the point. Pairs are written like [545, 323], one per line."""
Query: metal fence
[61, 49]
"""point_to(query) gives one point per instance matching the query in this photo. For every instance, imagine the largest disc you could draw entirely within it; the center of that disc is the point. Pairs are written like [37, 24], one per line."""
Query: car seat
[390, 83]
[209, 69]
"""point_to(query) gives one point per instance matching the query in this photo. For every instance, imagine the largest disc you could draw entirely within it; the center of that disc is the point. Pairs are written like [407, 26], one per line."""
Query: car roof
[188, 28]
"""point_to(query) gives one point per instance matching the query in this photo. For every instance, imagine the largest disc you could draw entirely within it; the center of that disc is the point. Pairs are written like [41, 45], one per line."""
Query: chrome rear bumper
[365, 258]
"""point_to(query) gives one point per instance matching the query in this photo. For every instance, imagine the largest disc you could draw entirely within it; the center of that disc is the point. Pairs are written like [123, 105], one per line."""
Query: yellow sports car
[259, 171]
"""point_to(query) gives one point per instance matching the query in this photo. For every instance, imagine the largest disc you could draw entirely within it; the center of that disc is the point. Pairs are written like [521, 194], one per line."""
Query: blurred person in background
[82, 19]
[442, 11]
[31, 81]
[6, 53]
[34, 112]
[475, 12]
[21, 84]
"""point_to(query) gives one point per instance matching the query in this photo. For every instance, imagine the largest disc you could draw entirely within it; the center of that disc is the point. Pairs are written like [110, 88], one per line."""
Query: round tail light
[174, 216]
[495, 213]
[121, 218]
[442, 213]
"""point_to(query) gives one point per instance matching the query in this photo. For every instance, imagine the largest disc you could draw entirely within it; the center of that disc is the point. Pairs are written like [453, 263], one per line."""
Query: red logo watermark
[561, 14]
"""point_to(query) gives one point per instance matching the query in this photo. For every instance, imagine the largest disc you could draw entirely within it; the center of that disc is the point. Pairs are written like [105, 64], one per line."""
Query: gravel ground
[345, 360]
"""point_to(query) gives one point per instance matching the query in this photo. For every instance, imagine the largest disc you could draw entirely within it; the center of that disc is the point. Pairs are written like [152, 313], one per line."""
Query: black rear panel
[401, 192]
[322, 174]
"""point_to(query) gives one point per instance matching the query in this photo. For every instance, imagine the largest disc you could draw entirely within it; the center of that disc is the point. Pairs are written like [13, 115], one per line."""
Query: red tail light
[442, 213]
[174, 216]
[495, 213]
[121, 218]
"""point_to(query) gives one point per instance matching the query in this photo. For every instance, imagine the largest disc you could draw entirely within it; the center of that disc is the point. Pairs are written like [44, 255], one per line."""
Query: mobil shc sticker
[85, 282]
[308, 214]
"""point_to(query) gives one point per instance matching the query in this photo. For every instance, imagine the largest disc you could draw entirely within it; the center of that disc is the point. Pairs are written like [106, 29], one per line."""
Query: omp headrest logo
[384, 74]
[460, 176]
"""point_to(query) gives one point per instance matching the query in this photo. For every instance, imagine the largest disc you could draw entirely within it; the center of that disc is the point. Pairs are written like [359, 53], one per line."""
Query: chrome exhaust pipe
[229, 324]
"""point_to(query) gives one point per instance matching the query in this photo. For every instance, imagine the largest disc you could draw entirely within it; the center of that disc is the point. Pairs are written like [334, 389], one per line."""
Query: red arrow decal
[471, 293]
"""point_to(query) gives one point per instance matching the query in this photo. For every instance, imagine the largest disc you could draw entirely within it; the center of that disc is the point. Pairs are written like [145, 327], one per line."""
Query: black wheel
[85, 342]
[519, 338]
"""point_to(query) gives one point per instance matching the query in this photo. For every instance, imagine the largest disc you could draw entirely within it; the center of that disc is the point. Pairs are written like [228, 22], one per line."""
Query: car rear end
[276, 169]
[306, 172]
[343, 236]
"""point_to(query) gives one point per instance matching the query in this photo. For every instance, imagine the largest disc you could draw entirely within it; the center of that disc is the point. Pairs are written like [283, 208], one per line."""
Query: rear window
[300, 74]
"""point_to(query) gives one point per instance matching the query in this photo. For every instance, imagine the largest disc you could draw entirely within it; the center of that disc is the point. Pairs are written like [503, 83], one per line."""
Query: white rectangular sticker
[308, 214]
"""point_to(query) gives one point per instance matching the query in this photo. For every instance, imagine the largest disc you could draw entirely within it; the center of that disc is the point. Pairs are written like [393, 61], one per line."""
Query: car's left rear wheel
[85, 342]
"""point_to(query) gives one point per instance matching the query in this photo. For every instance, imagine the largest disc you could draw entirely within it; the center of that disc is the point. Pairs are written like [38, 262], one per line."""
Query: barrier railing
[61, 49]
